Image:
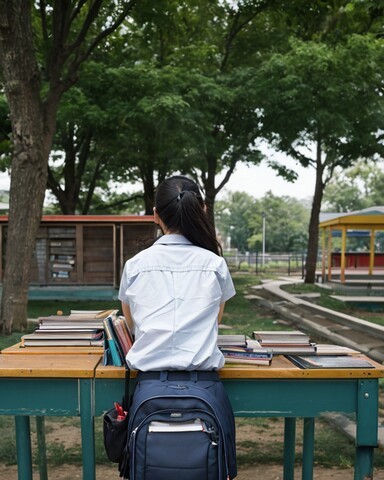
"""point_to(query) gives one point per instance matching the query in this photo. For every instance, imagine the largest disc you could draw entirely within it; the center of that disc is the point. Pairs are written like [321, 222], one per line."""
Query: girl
[173, 296]
[173, 293]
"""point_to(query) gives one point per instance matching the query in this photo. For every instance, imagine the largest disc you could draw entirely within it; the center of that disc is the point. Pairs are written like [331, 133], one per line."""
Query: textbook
[234, 340]
[251, 358]
[327, 349]
[329, 361]
[118, 340]
[285, 342]
[281, 337]
[53, 339]
[78, 319]
[68, 331]
[49, 324]
[68, 342]
[90, 314]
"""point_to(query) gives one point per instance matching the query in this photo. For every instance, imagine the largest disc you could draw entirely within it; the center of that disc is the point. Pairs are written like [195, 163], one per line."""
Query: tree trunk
[33, 121]
[210, 191]
[31, 145]
[313, 230]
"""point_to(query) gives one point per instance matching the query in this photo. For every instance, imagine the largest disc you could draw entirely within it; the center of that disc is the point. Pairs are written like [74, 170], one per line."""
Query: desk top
[57, 350]
[280, 368]
[49, 366]
[84, 362]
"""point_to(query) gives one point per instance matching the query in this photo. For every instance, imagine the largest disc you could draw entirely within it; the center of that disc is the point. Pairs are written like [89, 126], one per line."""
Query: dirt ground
[265, 472]
[69, 435]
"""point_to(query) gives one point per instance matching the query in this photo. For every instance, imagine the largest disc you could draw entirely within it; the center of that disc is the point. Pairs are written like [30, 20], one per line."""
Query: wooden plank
[280, 368]
[19, 350]
[80, 253]
[49, 366]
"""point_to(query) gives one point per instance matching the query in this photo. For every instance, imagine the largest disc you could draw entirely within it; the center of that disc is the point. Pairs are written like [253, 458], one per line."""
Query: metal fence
[283, 263]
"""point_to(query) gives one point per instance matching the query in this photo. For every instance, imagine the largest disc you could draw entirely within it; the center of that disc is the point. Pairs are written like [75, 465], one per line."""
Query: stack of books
[84, 328]
[231, 340]
[237, 349]
[80, 328]
[285, 342]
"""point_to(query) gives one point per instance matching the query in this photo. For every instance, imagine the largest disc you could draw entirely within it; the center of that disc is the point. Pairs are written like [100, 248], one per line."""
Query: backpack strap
[127, 390]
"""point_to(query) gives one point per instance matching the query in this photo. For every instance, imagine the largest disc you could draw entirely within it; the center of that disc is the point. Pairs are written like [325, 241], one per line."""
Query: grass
[326, 301]
[264, 444]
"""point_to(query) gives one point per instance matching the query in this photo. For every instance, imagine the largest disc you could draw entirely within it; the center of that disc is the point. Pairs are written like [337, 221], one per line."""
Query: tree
[286, 220]
[232, 216]
[199, 45]
[170, 96]
[355, 188]
[83, 160]
[239, 217]
[42, 48]
[317, 94]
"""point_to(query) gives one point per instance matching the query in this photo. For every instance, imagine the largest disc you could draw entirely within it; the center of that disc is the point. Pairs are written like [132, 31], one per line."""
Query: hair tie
[181, 194]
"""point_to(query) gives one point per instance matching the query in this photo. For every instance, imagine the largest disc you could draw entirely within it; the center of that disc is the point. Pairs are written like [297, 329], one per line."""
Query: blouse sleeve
[227, 287]
[125, 282]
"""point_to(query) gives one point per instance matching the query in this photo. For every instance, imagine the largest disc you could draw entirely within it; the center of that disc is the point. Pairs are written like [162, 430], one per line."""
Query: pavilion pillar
[372, 252]
[323, 254]
[329, 254]
[343, 250]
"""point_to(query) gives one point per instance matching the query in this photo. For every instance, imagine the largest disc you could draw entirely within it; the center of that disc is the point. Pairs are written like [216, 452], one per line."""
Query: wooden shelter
[83, 249]
[369, 221]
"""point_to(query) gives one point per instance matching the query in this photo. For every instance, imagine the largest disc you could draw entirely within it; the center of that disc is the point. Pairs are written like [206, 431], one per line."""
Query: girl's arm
[221, 311]
[127, 315]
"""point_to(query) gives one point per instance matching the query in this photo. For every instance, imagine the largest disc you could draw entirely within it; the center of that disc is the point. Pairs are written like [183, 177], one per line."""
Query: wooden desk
[18, 349]
[48, 385]
[78, 385]
[283, 390]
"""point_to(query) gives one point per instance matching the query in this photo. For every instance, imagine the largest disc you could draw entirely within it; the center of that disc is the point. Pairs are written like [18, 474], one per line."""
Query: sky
[258, 180]
[4, 181]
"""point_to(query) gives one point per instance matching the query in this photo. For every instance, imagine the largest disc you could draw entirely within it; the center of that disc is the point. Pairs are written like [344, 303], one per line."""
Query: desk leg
[366, 427]
[289, 448]
[87, 429]
[364, 463]
[23, 447]
[308, 448]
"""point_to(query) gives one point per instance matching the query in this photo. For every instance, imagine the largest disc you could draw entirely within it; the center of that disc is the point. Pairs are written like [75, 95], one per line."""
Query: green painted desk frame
[290, 398]
[44, 397]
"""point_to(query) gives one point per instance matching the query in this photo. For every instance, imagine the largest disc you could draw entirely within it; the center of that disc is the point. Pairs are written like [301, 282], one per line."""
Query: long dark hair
[180, 205]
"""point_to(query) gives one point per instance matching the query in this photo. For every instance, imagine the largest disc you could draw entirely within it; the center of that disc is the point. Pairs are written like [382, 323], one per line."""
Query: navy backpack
[180, 427]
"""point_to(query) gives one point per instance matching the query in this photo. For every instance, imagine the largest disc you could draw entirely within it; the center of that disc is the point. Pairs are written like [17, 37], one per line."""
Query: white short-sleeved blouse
[174, 290]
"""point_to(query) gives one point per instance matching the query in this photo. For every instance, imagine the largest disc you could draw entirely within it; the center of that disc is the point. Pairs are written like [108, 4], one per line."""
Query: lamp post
[263, 215]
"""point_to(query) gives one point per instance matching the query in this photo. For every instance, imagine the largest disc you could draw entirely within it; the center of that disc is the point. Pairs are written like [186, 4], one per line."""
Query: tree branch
[237, 26]
[120, 202]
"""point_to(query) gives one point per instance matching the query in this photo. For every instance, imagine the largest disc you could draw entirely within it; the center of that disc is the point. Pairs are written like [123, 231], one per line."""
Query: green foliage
[232, 219]
[242, 315]
[8, 440]
[239, 222]
[327, 96]
[355, 188]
